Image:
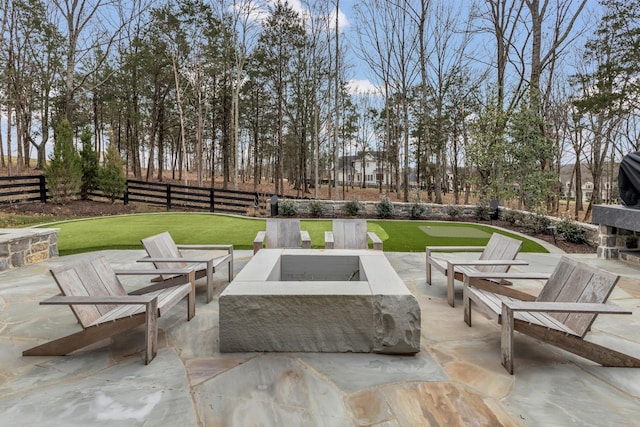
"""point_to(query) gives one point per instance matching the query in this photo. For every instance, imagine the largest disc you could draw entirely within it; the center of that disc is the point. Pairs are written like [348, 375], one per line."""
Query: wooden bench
[561, 315]
[497, 257]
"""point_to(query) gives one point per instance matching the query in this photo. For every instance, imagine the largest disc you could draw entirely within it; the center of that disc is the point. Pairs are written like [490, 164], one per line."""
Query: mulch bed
[89, 208]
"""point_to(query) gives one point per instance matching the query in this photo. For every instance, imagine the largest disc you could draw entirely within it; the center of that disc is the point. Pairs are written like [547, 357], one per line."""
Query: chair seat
[167, 298]
[494, 302]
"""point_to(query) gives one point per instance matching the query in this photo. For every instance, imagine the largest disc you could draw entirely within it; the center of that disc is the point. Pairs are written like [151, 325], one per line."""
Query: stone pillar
[607, 242]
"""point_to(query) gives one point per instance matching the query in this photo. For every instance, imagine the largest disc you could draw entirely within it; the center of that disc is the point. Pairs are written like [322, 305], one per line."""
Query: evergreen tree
[63, 174]
[111, 178]
[528, 151]
[89, 164]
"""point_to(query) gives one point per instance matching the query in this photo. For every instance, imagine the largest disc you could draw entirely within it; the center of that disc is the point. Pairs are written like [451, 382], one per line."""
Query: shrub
[512, 217]
[571, 231]
[287, 208]
[536, 223]
[454, 211]
[316, 208]
[384, 208]
[63, 173]
[417, 210]
[482, 213]
[352, 207]
[111, 179]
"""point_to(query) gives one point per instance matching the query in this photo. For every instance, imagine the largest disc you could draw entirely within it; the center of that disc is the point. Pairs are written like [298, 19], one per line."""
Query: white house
[352, 168]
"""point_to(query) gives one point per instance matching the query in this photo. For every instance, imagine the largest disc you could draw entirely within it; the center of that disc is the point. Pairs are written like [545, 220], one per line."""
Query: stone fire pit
[306, 300]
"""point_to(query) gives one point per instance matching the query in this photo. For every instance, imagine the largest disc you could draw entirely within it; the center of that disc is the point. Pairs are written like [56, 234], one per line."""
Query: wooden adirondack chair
[497, 256]
[103, 307]
[560, 315]
[163, 252]
[351, 234]
[282, 233]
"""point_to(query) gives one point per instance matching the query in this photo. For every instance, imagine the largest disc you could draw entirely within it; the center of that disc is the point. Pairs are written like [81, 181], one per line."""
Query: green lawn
[125, 232]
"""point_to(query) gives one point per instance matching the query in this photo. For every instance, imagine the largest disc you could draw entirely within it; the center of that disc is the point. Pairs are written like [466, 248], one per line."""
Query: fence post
[168, 197]
[212, 201]
[43, 189]
[126, 194]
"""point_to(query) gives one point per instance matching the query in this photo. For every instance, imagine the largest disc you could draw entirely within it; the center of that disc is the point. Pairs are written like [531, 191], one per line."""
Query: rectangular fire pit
[306, 300]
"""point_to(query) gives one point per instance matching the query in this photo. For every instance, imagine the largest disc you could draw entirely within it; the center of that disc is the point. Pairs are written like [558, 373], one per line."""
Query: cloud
[363, 87]
[343, 22]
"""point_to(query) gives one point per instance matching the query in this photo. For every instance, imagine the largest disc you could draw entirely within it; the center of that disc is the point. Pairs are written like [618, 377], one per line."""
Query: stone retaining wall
[23, 246]
[432, 211]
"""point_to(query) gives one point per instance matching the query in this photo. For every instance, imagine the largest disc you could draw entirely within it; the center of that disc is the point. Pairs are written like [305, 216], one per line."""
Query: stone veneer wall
[613, 241]
[619, 232]
[433, 211]
[20, 247]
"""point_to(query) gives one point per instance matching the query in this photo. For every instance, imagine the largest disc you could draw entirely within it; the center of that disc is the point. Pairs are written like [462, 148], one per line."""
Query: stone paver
[456, 378]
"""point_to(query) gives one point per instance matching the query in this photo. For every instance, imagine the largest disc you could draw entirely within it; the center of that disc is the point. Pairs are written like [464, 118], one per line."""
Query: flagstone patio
[456, 378]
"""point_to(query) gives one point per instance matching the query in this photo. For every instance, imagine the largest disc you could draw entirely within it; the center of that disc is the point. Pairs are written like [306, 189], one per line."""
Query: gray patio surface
[456, 379]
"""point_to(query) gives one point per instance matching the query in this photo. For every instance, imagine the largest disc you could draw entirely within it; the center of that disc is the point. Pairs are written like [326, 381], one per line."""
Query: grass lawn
[125, 232]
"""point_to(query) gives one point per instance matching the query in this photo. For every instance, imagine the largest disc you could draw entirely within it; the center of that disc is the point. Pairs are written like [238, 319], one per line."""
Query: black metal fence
[17, 189]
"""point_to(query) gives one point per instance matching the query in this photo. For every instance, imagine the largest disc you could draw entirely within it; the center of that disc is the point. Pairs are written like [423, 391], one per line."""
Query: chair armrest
[377, 242]
[179, 260]
[489, 262]
[306, 239]
[565, 307]
[328, 240]
[93, 300]
[228, 248]
[258, 241]
[260, 237]
[506, 276]
[454, 248]
[152, 272]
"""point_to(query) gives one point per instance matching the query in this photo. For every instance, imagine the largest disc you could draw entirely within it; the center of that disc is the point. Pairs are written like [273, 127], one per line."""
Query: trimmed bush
[417, 210]
[288, 208]
[352, 207]
[454, 211]
[316, 208]
[512, 217]
[482, 213]
[571, 231]
[384, 208]
[536, 223]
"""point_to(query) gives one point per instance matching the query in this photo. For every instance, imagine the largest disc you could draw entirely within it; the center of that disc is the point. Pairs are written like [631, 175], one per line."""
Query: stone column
[607, 242]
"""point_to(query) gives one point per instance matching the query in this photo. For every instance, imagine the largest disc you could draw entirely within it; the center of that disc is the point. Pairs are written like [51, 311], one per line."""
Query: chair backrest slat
[350, 233]
[499, 247]
[574, 281]
[88, 277]
[283, 233]
[163, 246]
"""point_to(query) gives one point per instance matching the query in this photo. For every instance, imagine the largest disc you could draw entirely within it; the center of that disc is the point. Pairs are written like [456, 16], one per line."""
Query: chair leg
[428, 266]
[191, 298]
[466, 305]
[450, 285]
[151, 332]
[85, 337]
[506, 339]
[209, 280]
